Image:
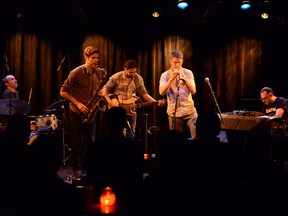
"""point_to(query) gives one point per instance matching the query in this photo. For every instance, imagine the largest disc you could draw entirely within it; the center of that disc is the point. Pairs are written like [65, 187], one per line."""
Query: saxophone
[96, 103]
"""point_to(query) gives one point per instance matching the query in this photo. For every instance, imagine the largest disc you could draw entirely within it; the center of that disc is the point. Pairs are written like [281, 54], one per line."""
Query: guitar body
[130, 104]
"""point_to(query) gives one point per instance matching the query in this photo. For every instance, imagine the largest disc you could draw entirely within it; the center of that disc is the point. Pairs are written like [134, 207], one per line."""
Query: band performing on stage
[128, 150]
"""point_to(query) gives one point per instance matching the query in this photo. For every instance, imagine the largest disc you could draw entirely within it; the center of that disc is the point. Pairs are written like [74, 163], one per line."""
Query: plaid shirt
[117, 84]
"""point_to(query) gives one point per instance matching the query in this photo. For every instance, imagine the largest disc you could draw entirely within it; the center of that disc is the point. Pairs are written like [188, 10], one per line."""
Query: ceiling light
[265, 9]
[155, 14]
[245, 5]
[182, 4]
[265, 15]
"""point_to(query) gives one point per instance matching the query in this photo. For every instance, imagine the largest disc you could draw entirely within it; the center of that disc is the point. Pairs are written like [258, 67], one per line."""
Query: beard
[130, 75]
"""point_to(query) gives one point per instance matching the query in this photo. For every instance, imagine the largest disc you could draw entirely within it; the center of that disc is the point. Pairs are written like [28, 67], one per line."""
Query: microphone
[135, 96]
[180, 81]
[207, 81]
[59, 67]
[113, 95]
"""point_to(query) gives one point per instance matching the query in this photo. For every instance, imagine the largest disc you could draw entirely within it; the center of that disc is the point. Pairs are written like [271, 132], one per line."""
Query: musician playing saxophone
[127, 86]
[80, 86]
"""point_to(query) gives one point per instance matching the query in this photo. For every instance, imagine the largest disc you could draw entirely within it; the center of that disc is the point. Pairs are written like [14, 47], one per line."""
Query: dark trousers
[81, 137]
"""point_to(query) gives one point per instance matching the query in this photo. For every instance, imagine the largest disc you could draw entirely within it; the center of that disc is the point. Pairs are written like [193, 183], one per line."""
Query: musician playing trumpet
[80, 86]
[125, 87]
[178, 85]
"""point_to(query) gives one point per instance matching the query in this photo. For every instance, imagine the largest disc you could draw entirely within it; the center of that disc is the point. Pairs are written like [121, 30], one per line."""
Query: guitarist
[79, 87]
[125, 85]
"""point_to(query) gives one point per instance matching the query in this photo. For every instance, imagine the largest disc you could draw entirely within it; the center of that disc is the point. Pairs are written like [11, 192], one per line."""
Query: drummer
[10, 92]
[11, 85]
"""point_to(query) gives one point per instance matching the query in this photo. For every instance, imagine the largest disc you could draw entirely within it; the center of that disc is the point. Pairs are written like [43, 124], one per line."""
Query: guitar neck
[131, 103]
[137, 105]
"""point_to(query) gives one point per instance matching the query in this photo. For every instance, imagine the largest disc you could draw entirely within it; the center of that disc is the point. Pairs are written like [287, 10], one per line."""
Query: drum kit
[9, 107]
[51, 121]
[53, 118]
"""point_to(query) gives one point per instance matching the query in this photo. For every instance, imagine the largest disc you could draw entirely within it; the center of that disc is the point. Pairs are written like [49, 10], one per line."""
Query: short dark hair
[267, 90]
[131, 63]
[90, 50]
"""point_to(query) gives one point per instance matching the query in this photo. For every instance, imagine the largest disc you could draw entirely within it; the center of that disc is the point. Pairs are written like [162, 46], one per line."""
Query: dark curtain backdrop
[237, 62]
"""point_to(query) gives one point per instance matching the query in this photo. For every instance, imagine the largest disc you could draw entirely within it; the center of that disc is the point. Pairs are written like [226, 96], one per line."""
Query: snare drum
[44, 122]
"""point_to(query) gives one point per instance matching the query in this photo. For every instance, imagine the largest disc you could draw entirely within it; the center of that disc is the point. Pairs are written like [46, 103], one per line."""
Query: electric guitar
[132, 103]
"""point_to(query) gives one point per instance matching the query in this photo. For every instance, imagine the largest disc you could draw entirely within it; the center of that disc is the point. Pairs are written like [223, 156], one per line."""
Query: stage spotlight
[156, 14]
[182, 4]
[265, 9]
[245, 5]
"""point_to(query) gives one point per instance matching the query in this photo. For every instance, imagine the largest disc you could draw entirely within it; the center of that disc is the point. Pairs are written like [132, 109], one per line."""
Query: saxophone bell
[102, 104]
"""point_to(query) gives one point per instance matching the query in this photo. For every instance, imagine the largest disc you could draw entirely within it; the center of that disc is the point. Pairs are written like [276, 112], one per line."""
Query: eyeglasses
[132, 70]
[265, 98]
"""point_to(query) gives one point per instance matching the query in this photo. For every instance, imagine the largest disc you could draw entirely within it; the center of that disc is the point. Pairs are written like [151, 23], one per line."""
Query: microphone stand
[6, 69]
[174, 113]
[216, 104]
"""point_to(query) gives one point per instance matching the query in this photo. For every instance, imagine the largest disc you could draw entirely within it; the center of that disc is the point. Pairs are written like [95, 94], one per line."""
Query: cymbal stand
[6, 69]
[174, 113]
[10, 107]
[143, 132]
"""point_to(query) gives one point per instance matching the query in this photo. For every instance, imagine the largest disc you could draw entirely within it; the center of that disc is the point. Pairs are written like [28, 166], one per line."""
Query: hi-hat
[12, 106]
[53, 111]
[58, 104]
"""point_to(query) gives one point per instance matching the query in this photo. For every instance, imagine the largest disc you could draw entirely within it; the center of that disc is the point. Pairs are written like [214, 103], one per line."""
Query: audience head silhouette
[259, 144]
[16, 134]
[116, 119]
[46, 152]
[208, 125]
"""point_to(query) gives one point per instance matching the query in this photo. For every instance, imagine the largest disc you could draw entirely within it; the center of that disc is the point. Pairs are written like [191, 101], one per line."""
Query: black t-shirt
[7, 94]
[270, 109]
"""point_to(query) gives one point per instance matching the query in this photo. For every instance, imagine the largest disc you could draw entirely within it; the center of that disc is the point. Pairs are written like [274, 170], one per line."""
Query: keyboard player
[273, 106]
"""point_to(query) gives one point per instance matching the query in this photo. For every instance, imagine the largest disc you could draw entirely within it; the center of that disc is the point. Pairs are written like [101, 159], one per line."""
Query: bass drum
[47, 121]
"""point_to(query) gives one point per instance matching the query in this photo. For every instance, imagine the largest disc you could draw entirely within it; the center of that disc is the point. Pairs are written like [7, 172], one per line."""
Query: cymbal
[12, 106]
[57, 104]
[53, 111]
